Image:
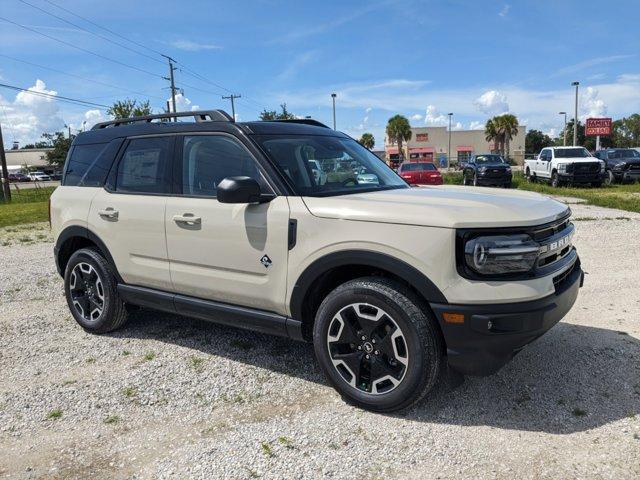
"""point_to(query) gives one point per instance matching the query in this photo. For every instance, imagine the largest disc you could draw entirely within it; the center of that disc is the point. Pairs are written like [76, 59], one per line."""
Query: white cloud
[27, 116]
[295, 65]
[591, 62]
[433, 117]
[492, 102]
[90, 118]
[476, 125]
[505, 11]
[416, 117]
[191, 46]
[591, 105]
[183, 104]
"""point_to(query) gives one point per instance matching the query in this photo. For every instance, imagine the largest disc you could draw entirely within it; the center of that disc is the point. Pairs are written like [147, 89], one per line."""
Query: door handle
[108, 213]
[188, 218]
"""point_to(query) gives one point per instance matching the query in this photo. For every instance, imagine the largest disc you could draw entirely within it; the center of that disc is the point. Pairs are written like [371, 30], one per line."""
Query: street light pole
[575, 117]
[333, 98]
[564, 143]
[449, 149]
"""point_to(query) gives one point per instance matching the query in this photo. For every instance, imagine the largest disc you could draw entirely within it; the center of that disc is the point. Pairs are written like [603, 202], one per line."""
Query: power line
[90, 32]
[80, 48]
[86, 79]
[56, 97]
[103, 28]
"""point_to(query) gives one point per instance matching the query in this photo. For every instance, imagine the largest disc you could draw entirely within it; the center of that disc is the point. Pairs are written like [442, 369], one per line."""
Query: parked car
[420, 173]
[18, 177]
[621, 164]
[562, 165]
[39, 176]
[56, 176]
[220, 220]
[487, 169]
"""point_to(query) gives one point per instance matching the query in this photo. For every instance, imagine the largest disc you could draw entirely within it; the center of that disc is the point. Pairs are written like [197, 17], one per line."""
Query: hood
[493, 165]
[578, 160]
[443, 206]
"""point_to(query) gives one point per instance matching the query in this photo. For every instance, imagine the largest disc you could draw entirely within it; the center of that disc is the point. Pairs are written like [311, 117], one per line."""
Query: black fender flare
[76, 231]
[400, 268]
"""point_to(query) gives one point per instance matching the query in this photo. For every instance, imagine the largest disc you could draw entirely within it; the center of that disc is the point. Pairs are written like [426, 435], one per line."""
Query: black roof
[107, 131]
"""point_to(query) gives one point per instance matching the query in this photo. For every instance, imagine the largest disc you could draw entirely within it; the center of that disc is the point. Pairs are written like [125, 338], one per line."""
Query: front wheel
[609, 179]
[92, 294]
[475, 179]
[465, 180]
[555, 180]
[377, 345]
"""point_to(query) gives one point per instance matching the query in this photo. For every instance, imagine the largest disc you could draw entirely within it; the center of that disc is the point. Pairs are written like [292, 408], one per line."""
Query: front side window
[209, 159]
[346, 166]
[145, 166]
[624, 153]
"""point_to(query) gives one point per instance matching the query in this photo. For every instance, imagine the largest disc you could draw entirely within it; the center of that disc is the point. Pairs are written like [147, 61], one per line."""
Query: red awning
[464, 149]
[422, 150]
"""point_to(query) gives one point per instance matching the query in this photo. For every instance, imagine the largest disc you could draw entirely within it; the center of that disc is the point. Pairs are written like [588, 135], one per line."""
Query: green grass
[623, 197]
[53, 414]
[26, 206]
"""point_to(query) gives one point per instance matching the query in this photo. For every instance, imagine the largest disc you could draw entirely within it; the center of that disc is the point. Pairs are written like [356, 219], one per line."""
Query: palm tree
[508, 124]
[492, 133]
[367, 140]
[398, 129]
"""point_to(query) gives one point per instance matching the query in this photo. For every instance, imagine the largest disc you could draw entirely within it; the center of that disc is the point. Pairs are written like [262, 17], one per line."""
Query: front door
[129, 217]
[231, 253]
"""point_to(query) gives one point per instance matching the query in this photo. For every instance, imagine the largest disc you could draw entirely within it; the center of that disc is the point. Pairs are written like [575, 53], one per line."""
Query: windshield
[325, 165]
[572, 152]
[481, 159]
[626, 153]
[417, 167]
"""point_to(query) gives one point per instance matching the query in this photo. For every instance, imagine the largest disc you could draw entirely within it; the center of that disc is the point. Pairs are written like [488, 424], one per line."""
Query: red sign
[597, 126]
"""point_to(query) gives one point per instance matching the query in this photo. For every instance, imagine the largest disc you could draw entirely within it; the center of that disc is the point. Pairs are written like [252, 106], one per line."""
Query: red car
[423, 173]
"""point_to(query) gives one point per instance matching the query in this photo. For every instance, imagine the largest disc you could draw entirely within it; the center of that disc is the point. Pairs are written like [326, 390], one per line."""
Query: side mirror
[239, 190]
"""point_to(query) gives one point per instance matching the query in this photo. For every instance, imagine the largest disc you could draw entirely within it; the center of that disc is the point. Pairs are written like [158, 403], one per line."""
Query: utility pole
[173, 84]
[449, 150]
[232, 97]
[564, 143]
[575, 117]
[5, 172]
[333, 98]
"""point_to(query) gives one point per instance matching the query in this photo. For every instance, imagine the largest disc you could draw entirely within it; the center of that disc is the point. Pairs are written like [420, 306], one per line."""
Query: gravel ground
[169, 397]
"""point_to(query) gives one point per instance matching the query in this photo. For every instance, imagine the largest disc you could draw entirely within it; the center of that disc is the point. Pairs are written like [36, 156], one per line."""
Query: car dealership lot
[167, 396]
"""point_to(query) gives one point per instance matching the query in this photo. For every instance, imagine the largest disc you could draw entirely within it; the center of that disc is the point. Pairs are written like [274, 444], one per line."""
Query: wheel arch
[74, 238]
[333, 269]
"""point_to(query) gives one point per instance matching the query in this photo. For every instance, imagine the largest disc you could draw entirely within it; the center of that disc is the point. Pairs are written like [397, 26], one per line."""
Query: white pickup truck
[562, 165]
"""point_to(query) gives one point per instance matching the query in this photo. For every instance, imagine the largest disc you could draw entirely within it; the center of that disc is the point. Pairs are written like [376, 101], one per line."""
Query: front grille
[559, 279]
[591, 167]
[634, 166]
[555, 242]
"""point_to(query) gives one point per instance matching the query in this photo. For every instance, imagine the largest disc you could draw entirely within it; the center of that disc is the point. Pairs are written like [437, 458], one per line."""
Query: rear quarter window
[87, 166]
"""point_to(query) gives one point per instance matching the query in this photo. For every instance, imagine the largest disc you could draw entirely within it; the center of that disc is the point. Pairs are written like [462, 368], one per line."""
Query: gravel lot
[170, 397]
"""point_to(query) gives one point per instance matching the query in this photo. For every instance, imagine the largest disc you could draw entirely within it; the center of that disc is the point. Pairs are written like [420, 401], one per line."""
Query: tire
[609, 179]
[475, 179]
[555, 180]
[92, 294]
[464, 179]
[404, 344]
[527, 175]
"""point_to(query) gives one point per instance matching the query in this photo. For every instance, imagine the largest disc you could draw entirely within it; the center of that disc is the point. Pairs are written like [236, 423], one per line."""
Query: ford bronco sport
[226, 221]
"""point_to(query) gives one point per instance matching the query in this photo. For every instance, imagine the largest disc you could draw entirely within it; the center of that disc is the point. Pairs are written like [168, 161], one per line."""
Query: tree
[626, 132]
[367, 141]
[536, 141]
[267, 115]
[38, 144]
[129, 108]
[399, 130]
[61, 145]
[492, 133]
[500, 130]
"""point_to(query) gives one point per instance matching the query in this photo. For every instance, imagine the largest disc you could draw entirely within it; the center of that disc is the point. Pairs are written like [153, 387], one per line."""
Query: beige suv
[229, 222]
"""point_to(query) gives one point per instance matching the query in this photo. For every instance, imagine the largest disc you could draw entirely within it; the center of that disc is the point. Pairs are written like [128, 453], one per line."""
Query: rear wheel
[527, 175]
[91, 291]
[376, 344]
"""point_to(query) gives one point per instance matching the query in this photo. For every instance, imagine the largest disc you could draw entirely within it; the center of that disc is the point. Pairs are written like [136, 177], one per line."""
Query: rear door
[231, 253]
[129, 214]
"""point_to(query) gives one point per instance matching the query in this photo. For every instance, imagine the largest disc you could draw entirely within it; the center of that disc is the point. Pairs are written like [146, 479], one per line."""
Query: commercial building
[432, 144]
[20, 159]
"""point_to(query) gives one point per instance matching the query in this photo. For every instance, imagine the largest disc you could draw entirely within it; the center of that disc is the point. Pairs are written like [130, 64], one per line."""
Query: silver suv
[233, 223]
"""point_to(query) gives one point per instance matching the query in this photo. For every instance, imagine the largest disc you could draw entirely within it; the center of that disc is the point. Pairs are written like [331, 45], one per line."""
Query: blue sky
[421, 59]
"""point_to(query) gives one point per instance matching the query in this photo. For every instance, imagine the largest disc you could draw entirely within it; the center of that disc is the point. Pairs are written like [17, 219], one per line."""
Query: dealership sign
[597, 126]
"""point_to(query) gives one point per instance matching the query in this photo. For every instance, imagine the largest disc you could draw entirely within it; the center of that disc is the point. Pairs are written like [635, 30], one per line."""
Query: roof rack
[199, 116]
[305, 121]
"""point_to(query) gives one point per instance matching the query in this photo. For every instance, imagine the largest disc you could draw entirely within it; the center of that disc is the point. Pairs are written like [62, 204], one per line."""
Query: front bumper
[581, 177]
[492, 334]
[494, 180]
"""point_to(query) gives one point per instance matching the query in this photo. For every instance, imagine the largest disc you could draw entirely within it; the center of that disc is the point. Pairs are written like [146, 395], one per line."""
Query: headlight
[508, 169]
[602, 166]
[499, 254]
[562, 167]
[482, 169]
[619, 166]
